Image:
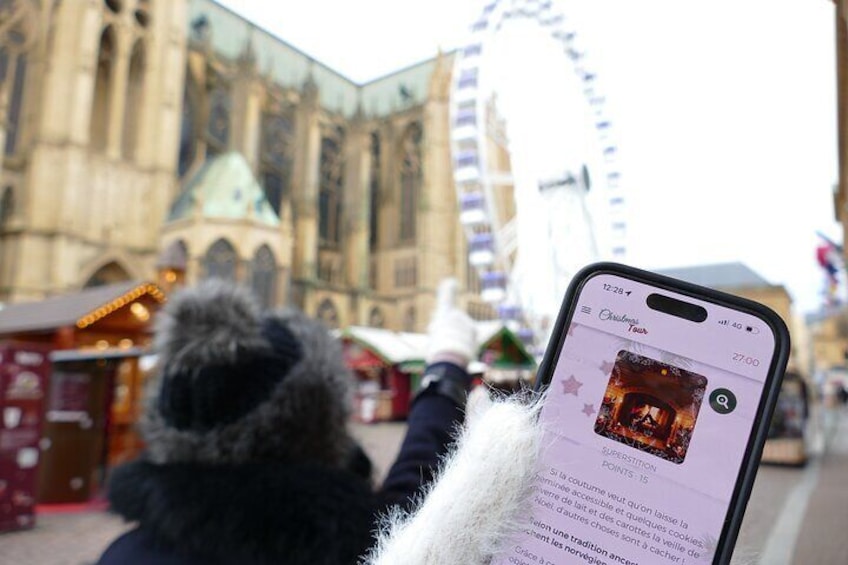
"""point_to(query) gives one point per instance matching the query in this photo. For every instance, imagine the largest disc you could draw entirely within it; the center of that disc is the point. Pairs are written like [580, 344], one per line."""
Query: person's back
[248, 455]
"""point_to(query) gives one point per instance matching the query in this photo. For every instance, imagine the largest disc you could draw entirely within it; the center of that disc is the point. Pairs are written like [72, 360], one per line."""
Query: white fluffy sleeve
[479, 498]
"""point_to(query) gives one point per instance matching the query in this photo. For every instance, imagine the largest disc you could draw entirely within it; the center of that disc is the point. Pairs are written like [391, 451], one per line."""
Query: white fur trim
[478, 500]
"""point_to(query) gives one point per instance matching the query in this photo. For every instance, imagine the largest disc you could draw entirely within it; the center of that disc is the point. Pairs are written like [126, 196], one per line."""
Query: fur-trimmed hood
[290, 514]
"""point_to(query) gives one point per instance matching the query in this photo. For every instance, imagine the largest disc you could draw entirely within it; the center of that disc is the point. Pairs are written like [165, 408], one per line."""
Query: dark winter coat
[244, 514]
[271, 513]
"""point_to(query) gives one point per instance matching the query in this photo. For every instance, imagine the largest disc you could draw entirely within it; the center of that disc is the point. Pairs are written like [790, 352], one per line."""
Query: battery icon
[752, 329]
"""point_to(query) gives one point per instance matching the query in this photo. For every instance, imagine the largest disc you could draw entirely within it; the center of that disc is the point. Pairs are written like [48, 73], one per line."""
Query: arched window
[99, 125]
[410, 181]
[374, 193]
[108, 274]
[218, 126]
[13, 66]
[328, 314]
[263, 276]
[188, 137]
[409, 319]
[172, 265]
[376, 318]
[7, 206]
[134, 101]
[330, 194]
[220, 261]
[277, 132]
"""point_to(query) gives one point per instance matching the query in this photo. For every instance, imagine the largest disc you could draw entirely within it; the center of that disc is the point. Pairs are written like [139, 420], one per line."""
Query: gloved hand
[452, 333]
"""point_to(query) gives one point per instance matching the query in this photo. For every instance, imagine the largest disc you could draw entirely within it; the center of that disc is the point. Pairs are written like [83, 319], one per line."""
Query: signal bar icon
[723, 322]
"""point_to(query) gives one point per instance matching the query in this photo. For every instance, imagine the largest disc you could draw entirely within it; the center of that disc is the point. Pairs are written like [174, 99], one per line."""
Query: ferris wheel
[534, 160]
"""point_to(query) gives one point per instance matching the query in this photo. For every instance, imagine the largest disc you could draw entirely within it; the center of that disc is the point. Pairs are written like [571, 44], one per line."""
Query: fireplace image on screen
[651, 406]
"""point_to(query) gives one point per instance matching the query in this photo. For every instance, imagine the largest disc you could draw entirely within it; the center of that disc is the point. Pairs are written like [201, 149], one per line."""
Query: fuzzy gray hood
[268, 387]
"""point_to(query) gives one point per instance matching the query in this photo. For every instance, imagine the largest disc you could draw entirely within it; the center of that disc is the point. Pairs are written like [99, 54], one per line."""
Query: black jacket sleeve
[432, 422]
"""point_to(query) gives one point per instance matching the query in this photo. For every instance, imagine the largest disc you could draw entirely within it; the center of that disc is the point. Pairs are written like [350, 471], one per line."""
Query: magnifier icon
[723, 401]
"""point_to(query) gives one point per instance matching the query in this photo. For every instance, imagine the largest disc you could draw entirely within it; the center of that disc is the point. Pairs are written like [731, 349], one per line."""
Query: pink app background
[599, 500]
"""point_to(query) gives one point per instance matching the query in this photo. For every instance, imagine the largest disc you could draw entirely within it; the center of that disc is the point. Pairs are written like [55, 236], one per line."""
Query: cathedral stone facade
[172, 140]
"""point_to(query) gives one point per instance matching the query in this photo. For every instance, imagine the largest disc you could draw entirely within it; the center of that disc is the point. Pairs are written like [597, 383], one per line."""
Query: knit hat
[238, 386]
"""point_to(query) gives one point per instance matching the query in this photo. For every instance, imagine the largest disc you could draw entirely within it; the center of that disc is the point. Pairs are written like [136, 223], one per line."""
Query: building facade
[841, 47]
[172, 140]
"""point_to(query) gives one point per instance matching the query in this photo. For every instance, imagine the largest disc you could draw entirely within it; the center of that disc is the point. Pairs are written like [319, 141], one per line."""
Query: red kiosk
[388, 367]
[24, 370]
[93, 384]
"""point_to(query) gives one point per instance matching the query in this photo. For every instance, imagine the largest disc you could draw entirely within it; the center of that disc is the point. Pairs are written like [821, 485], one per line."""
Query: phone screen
[647, 421]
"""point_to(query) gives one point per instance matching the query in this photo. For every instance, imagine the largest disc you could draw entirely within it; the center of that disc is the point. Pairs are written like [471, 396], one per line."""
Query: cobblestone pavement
[823, 537]
[79, 538]
[75, 538]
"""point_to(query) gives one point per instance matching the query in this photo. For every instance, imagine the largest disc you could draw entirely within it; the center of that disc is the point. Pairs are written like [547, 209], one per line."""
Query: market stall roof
[509, 351]
[78, 309]
[409, 349]
[394, 348]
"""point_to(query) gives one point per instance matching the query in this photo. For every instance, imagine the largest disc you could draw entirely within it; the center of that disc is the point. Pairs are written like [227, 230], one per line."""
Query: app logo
[608, 315]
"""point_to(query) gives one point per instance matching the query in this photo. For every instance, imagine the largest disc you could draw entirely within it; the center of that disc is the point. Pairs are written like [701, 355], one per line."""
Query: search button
[722, 401]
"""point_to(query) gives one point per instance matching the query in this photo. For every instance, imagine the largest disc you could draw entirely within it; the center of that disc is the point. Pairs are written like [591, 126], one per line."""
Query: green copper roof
[226, 188]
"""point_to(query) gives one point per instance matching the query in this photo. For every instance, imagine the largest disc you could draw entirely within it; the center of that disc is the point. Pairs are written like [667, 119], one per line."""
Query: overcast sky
[724, 112]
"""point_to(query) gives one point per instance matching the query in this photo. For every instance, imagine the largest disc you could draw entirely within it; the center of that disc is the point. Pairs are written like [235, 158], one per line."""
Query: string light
[141, 312]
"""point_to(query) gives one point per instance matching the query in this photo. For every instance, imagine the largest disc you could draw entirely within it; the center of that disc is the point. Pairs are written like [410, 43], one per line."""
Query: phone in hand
[657, 399]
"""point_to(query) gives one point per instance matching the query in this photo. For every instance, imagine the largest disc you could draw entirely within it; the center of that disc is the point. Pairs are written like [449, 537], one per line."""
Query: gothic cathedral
[172, 140]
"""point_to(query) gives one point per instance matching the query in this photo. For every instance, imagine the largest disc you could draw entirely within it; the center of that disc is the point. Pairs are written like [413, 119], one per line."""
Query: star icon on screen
[588, 409]
[571, 386]
[607, 367]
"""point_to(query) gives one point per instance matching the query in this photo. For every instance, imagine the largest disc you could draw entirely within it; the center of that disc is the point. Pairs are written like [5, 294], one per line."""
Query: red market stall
[388, 367]
[96, 339]
[24, 370]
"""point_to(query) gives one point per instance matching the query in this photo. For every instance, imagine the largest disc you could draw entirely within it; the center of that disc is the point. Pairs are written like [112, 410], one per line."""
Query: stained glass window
[263, 278]
[134, 100]
[188, 141]
[220, 261]
[328, 314]
[376, 318]
[13, 123]
[99, 127]
[276, 150]
[410, 182]
[218, 127]
[330, 194]
[374, 193]
[7, 205]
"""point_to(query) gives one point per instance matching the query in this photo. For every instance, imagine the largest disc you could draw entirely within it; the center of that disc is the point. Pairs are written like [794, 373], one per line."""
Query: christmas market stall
[96, 340]
[388, 367]
[509, 365]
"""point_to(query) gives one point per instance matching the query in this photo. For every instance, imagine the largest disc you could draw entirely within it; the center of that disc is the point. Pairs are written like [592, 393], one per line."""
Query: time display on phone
[615, 289]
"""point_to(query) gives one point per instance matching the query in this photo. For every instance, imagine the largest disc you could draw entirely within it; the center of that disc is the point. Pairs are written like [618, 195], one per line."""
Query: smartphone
[657, 399]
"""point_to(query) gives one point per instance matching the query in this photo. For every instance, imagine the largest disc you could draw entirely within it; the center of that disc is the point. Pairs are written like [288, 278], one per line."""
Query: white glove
[452, 333]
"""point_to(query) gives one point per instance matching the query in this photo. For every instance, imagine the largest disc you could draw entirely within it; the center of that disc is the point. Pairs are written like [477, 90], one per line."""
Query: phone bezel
[771, 387]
